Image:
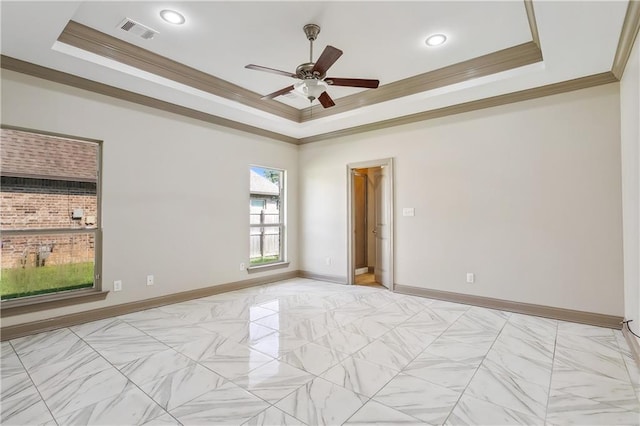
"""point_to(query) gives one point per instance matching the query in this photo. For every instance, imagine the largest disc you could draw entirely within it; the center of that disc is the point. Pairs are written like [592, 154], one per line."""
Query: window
[50, 215]
[266, 216]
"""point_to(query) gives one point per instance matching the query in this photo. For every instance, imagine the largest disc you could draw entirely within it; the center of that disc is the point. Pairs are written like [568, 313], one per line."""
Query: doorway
[370, 213]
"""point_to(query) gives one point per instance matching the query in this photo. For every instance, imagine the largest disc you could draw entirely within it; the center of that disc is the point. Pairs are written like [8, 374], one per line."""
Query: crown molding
[12, 64]
[533, 26]
[508, 98]
[630, 28]
[628, 34]
[99, 43]
[482, 66]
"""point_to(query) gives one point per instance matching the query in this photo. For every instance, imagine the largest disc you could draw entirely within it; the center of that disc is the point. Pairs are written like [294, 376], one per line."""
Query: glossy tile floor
[309, 352]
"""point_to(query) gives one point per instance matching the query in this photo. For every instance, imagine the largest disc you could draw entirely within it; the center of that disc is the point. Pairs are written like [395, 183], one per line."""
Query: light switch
[408, 211]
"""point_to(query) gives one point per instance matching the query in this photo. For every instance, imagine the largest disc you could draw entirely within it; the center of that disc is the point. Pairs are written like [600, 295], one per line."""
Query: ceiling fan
[313, 84]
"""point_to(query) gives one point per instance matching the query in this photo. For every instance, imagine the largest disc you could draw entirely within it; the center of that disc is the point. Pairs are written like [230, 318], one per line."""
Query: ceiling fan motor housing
[305, 71]
[312, 74]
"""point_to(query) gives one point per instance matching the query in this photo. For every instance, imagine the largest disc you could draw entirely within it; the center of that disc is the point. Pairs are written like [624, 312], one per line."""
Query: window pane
[266, 201]
[265, 192]
[37, 264]
[265, 245]
[47, 182]
[257, 205]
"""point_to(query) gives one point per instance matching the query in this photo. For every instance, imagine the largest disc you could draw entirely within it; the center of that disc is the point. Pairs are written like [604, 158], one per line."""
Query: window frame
[282, 261]
[26, 304]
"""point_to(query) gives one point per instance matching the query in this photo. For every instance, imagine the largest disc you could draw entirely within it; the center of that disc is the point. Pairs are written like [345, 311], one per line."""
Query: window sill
[267, 267]
[42, 302]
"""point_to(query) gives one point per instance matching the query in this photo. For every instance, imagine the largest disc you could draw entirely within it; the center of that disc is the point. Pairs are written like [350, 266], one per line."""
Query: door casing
[387, 163]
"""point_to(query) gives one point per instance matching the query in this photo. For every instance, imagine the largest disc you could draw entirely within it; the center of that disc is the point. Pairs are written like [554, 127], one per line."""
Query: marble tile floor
[305, 352]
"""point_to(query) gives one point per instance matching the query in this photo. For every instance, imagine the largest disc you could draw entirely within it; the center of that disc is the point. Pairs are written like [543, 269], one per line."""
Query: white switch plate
[327, 261]
[117, 285]
[243, 266]
[408, 211]
[471, 277]
[149, 279]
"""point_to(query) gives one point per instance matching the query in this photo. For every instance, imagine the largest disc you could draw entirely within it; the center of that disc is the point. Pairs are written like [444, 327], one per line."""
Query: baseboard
[20, 330]
[634, 344]
[601, 320]
[360, 271]
[320, 277]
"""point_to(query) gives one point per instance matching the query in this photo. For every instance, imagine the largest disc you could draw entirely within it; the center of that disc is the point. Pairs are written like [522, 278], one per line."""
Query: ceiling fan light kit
[313, 84]
[311, 88]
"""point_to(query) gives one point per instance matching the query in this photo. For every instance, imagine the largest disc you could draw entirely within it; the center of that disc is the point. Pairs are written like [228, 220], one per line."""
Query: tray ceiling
[492, 50]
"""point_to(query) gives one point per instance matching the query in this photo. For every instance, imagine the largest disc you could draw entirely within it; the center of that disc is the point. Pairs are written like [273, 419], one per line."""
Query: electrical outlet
[149, 279]
[327, 261]
[243, 266]
[471, 277]
[117, 285]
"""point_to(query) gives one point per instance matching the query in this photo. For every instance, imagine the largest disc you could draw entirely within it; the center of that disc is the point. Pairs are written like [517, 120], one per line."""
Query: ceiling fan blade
[328, 57]
[278, 93]
[353, 82]
[271, 70]
[326, 100]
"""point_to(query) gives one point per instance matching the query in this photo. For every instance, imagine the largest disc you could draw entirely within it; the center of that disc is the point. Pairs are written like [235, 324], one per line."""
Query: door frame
[388, 163]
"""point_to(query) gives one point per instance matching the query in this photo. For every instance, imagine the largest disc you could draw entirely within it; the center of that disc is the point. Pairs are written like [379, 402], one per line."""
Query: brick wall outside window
[44, 179]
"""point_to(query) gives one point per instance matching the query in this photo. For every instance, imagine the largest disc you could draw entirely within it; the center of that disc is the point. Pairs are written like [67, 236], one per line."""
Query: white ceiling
[382, 40]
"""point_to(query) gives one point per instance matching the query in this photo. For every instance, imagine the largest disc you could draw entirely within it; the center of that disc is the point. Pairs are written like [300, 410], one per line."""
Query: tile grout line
[478, 367]
[315, 376]
[359, 297]
[370, 398]
[318, 376]
[197, 362]
[590, 398]
[34, 384]
[636, 390]
[412, 360]
[553, 363]
[124, 375]
[278, 360]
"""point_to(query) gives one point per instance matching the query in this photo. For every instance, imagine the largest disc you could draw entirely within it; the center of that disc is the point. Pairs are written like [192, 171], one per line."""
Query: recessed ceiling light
[436, 40]
[172, 17]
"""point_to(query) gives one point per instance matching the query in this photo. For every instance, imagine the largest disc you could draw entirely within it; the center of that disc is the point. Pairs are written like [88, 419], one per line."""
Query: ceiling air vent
[133, 27]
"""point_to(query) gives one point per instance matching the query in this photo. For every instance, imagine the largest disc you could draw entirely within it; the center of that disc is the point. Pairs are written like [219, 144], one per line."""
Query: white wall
[527, 196]
[175, 191]
[630, 140]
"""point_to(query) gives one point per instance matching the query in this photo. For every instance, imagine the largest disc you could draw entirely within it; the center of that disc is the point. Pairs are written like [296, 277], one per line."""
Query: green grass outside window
[21, 282]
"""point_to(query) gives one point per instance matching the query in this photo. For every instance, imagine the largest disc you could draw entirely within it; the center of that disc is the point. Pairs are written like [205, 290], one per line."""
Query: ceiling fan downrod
[311, 31]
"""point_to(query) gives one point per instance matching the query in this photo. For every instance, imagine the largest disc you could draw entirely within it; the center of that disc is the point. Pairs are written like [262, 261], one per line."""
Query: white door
[382, 227]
